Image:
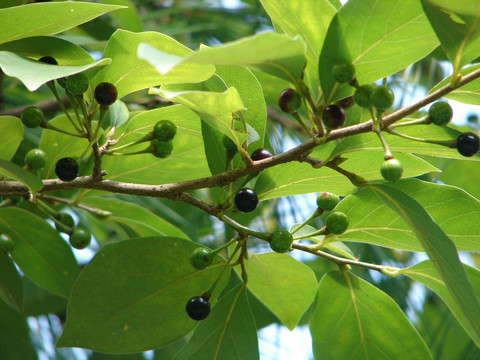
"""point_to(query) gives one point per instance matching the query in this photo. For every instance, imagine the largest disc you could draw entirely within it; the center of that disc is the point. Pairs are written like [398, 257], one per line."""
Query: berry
[246, 200]
[382, 97]
[333, 117]
[261, 154]
[165, 130]
[440, 113]
[362, 96]
[77, 84]
[66, 169]
[391, 170]
[281, 241]
[337, 223]
[198, 308]
[229, 144]
[48, 60]
[32, 117]
[289, 101]
[161, 149]
[200, 258]
[6, 244]
[105, 93]
[327, 201]
[472, 118]
[343, 72]
[346, 103]
[36, 159]
[468, 144]
[80, 239]
[67, 223]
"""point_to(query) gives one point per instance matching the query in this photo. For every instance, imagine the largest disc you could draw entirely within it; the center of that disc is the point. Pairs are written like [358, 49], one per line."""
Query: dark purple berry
[468, 144]
[66, 169]
[261, 154]
[333, 117]
[105, 93]
[48, 60]
[246, 200]
[198, 308]
[289, 101]
[346, 103]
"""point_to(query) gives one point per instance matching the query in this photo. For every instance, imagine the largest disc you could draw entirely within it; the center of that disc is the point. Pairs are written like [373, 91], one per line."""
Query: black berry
[281, 241]
[261, 154]
[468, 144]
[66, 169]
[48, 60]
[333, 117]
[246, 200]
[105, 93]
[165, 130]
[289, 101]
[35, 159]
[346, 103]
[198, 308]
[77, 84]
[32, 117]
[80, 239]
[440, 113]
[382, 97]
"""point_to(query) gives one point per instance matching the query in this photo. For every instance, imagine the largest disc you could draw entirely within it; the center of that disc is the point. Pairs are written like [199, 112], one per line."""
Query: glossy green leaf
[131, 296]
[39, 301]
[457, 27]
[277, 54]
[101, 356]
[439, 248]
[467, 94]
[352, 319]
[462, 174]
[373, 222]
[379, 38]
[11, 134]
[47, 19]
[425, 273]
[127, 18]
[9, 169]
[11, 286]
[40, 252]
[144, 222]
[270, 279]
[227, 333]
[129, 73]
[33, 74]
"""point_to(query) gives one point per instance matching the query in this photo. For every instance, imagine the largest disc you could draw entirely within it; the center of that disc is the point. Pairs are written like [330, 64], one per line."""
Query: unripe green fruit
[362, 96]
[161, 149]
[200, 258]
[77, 84]
[165, 130]
[6, 244]
[229, 144]
[281, 241]
[32, 117]
[80, 239]
[105, 93]
[472, 118]
[333, 117]
[440, 113]
[343, 72]
[327, 201]
[382, 97]
[391, 170]
[337, 223]
[289, 101]
[67, 223]
[36, 159]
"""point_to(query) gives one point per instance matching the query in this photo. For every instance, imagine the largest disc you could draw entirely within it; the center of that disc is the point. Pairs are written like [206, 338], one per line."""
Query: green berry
[281, 241]
[468, 144]
[289, 101]
[80, 239]
[472, 118]
[343, 72]
[333, 117]
[105, 93]
[165, 130]
[198, 308]
[67, 223]
[229, 145]
[246, 200]
[440, 113]
[66, 169]
[36, 159]
[337, 223]
[200, 258]
[362, 96]
[161, 149]
[391, 170]
[32, 117]
[327, 201]
[77, 84]
[6, 244]
[382, 97]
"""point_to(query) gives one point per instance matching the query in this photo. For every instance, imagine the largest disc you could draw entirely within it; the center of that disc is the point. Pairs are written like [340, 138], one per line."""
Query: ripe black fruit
[346, 103]
[48, 60]
[468, 144]
[261, 154]
[105, 93]
[382, 97]
[333, 117]
[289, 101]
[32, 117]
[80, 239]
[246, 200]
[440, 113]
[165, 130]
[66, 169]
[198, 308]
[35, 159]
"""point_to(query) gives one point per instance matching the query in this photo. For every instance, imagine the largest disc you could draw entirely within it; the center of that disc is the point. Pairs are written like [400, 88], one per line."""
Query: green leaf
[11, 134]
[467, 94]
[270, 279]
[144, 222]
[131, 296]
[9, 169]
[128, 18]
[462, 174]
[101, 356]
[352, 319]
[227, 333]
[371, 221]
[39, 301]
[40, 252]
[439, 248]
[276, 54]
[47, 19]
[33, 73]
[129, 73]
[457, 27]
[379, 38]
[426, 274]
[11, 286]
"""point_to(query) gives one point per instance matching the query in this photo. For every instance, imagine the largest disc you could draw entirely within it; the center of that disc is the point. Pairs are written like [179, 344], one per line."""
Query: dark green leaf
[11, 134]
[11, 286]
[15, 172]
